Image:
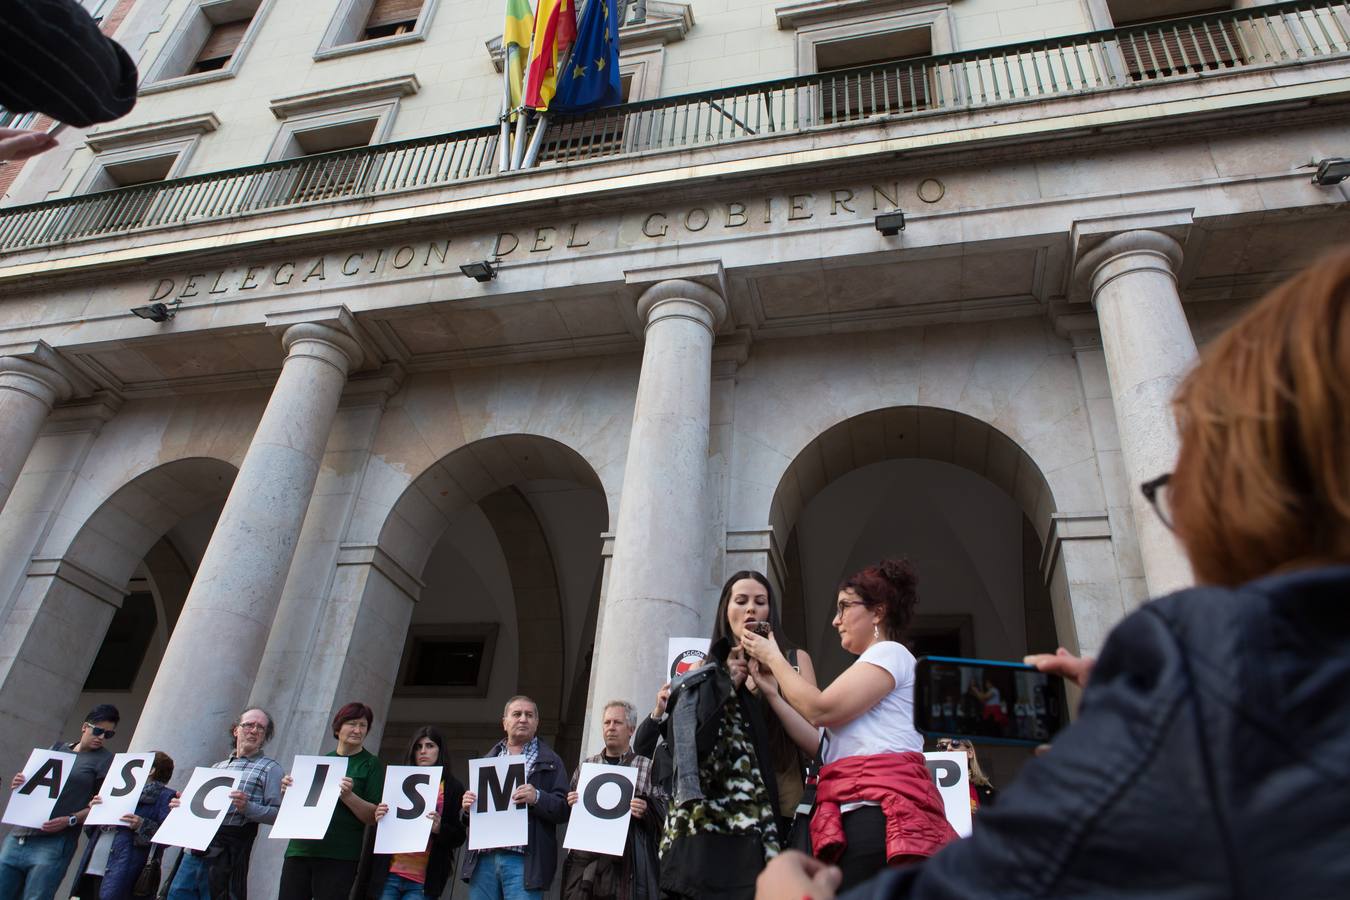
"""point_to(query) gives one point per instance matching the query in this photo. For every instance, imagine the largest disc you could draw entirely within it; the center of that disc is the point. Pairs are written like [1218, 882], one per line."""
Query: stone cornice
[350, 95]
[791, 15]
[91, 583]
[151, 132]
[1093, 525]
[374, 556]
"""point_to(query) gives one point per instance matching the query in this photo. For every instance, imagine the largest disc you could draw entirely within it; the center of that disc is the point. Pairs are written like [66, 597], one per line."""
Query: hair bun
[899, 572]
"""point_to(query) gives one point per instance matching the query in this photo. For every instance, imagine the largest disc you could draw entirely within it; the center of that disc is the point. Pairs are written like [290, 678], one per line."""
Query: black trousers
[303, 878]
[865, 855]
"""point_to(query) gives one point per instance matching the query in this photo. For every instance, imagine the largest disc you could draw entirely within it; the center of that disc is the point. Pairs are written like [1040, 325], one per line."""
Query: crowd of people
[1212, 732]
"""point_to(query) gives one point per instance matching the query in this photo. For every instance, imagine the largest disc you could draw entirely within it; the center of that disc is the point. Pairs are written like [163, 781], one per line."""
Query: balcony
[1121, 59]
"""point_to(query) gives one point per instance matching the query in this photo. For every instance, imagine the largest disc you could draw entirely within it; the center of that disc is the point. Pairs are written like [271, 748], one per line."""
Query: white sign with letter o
[122, 788]
[201, 808]
[45, 776]
[494, 821]
[307, 806]
[410, 793]
[950, 774]
[600, 817]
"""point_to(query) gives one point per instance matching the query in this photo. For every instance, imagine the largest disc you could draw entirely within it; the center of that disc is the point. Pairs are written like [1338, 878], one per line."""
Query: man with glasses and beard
[221, 871]
[34, 860]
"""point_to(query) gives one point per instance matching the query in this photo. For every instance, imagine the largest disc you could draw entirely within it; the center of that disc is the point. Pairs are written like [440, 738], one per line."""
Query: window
[1167, 46]
[123, 650]
[447, 661]
[364, 25]
[899, 86]
[209, 43]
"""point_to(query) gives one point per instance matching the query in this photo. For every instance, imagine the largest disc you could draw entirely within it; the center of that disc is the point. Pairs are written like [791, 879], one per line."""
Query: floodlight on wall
[890, 224]
[155, 312]
[1332, 170]
[480, 271]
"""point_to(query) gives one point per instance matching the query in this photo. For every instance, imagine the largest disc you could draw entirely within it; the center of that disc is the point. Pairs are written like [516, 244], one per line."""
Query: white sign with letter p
[307, 806]
[122, 789]
[951, 775]
[201, 808]
[494, 821]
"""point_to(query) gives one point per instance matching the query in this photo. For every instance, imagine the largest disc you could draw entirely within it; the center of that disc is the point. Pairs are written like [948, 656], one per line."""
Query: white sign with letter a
[45, 776]
[307, 806]
[494, 821]
[952, 777]
[410, 793]
[600, 818]
[122, 788]
[201, 808]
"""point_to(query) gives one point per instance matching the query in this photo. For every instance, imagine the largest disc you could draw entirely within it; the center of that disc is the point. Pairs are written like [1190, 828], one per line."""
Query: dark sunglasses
[101, 732]
[952, 745]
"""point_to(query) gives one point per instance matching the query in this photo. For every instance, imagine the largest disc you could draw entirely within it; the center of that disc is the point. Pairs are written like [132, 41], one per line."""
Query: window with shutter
[220, 45]
[897, 80]
[391, 17]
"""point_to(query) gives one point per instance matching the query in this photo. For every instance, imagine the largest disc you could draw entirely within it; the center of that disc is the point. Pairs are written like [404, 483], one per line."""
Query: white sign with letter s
[600, 818]
[45, 776]
[410, 793]
[307, 806]
[494, 821]
[122, 788]
[201, 808]
[952, 777]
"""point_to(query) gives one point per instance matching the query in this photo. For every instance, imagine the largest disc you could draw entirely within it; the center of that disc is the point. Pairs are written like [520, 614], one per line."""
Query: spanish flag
[555, 29]
[515, 45]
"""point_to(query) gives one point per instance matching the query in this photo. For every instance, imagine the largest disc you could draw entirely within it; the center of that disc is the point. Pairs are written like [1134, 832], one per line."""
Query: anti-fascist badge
[685, 661]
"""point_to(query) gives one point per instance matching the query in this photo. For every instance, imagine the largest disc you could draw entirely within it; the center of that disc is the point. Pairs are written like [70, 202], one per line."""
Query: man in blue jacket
[511, 873]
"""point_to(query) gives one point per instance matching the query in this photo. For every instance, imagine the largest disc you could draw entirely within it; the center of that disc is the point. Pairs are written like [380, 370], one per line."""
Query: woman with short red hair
[326, 869]
[876, 804]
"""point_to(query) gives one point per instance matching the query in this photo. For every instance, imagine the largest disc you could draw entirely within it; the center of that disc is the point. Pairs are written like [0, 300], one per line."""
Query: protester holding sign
[982, 790]
[393, 876]
[595, 876]
[256, 800]
[33, 861]
[325, 869]
[115, 855]
[525, 871]
[875, 803]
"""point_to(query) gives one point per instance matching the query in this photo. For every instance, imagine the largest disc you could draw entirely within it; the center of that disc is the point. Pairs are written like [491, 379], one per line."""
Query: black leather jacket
[1211, 759]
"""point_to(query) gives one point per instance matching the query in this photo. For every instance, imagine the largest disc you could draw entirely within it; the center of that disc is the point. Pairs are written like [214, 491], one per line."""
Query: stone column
[1148, 347]
[213, 655]
[28, 391]
[660, 574]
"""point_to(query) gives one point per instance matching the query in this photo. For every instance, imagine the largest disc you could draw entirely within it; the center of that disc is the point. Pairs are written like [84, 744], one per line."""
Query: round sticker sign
[687, 660]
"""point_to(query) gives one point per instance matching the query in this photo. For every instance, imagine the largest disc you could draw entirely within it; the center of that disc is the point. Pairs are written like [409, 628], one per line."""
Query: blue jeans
[396, 887]
[191, 881]
[33, 869]
[500, 876]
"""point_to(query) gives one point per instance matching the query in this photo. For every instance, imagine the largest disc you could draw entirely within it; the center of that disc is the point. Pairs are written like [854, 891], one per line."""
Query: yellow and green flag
[515, 47]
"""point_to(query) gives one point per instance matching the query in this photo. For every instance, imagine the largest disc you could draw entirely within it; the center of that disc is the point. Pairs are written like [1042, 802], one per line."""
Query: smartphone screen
[988, 701]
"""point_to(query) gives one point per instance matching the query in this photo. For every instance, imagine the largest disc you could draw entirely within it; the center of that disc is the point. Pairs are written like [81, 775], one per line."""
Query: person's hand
[526, 793]
[760, 674]
[662, 698]
[95, 800]
[794, 874]
[763, 649]
[344, 786]
[381, 810]
[572, 798]
[132, 821]
[52, 826]
[738, 667]
[286, 782]
[638, 806]
[435, 818]
[1063, 663]
[239, 799]
[17, 781]
[176, 800]
[17, 143]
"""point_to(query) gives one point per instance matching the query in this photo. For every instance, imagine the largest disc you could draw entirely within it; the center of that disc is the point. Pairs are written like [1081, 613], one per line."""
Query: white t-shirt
[888, 727]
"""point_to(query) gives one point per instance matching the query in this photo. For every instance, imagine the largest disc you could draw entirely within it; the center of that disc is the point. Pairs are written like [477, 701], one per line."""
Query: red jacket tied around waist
[916, 823]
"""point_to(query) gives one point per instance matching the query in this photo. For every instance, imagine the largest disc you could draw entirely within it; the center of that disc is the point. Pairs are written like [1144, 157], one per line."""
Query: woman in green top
[325, 869]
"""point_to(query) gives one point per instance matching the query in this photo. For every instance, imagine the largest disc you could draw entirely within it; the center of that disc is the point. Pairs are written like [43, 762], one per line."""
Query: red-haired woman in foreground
[1212, 751]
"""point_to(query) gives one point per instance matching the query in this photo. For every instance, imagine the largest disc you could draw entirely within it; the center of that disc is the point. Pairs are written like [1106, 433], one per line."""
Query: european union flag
[592, 76]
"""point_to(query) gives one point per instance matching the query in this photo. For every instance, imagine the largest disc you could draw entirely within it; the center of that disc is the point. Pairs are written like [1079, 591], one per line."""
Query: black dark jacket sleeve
[645, 738]
[54, 60]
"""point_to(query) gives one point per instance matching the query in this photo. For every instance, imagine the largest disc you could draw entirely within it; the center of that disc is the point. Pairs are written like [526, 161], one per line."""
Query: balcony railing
[1120, 58]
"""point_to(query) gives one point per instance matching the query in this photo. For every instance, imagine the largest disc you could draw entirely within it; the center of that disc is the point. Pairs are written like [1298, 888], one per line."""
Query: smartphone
[987, 701]
[763, 629]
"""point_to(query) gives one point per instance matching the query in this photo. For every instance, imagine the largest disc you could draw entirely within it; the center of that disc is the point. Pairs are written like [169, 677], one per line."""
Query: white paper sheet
[602, 812]
[308, 804]
[494, 821]
[45, 775]
[952, 777]
[127, 777]
[201, 809]
[410, 793]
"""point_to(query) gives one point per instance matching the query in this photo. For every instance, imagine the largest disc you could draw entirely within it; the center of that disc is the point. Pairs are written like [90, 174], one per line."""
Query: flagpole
[536, 142]
[504, 132]
[518, 150]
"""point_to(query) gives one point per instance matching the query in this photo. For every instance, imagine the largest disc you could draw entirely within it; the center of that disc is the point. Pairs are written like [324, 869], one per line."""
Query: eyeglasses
[101, 732]
[952, 745]
[1159, 497]
[845, 604]
[251, 726]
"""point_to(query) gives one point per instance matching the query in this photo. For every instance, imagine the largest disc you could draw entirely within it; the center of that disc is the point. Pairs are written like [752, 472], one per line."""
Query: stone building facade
[344, 470]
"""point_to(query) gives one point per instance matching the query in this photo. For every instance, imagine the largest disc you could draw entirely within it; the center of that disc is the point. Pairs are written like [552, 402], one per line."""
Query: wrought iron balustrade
[1120, 58]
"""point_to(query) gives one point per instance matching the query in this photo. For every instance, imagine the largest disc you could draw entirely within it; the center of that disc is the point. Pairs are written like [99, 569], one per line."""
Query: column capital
[694, 290]
[1129, 251]
[329, 334]
[38, 370]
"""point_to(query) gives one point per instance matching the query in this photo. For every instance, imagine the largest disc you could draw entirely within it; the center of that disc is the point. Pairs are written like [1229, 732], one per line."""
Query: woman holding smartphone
[325, 869]
[875, 803]
[717, 843]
